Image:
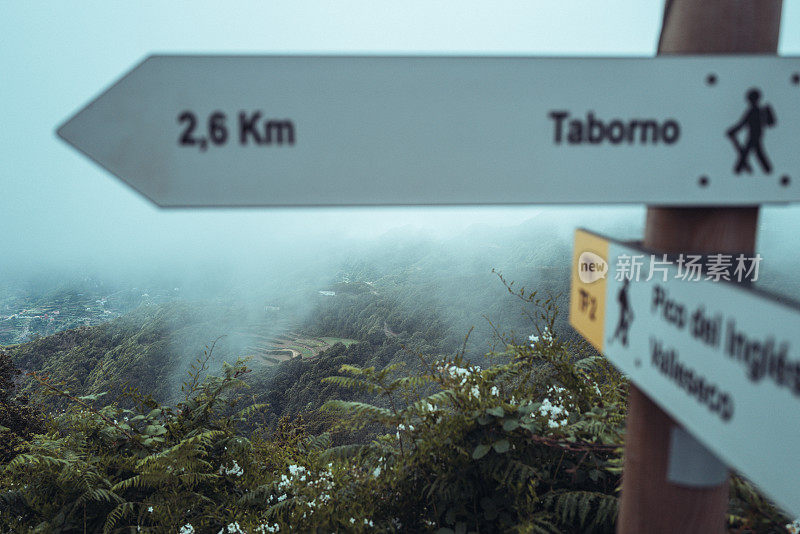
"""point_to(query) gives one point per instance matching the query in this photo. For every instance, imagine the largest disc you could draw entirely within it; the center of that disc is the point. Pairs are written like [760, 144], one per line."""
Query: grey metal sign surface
[331, 130]
[721, 359]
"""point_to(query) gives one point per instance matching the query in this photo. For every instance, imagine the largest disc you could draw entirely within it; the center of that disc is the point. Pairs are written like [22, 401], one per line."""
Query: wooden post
[650, 502]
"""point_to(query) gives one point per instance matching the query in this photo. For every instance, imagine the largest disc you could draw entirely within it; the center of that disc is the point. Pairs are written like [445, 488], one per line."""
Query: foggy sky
[60, 210]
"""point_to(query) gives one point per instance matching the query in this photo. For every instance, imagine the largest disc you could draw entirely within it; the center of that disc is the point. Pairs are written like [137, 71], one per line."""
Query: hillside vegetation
[419, 397]
[394, 433]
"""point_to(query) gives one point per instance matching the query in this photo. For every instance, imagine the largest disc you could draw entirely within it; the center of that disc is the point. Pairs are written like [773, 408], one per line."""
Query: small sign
[721, 359]
[335, 130]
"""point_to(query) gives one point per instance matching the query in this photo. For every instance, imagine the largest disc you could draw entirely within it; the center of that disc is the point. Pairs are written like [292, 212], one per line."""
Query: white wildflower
[376, 472]
[298, 470]
[186, 529]
[495, 391]
[557, 415]
[150, 509]
[234, 470]
[793, 527]
[546, 337]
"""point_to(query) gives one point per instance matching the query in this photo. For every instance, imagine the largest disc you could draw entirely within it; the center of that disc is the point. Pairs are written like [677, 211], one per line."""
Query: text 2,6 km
[247, 128]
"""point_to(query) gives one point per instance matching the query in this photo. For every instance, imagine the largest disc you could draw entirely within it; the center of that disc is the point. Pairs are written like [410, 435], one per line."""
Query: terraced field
[275, 349]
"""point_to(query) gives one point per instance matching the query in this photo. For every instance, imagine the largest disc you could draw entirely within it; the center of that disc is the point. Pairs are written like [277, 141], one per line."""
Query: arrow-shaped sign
[720, 358]
[303, 130]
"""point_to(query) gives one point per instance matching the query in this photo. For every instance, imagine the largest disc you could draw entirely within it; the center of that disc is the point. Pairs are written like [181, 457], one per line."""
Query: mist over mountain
[388, 354]
[450, 264]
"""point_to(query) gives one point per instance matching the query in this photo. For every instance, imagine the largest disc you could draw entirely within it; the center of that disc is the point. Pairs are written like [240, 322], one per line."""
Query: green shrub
[530, 444]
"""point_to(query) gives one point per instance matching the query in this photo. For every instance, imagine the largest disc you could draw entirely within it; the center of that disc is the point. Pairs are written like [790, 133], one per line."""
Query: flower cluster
[233, 528]
[186, 529]
[299, 477]
[793, 527]
[266, 528]
[462, 375]
[557, 415]
[428, 407]
[404, 428]
[455, 372]
[546, 338]
[234, 470]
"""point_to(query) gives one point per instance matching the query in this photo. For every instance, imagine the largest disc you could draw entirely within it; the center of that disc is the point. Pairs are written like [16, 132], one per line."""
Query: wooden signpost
[650, 501]
[703, 140]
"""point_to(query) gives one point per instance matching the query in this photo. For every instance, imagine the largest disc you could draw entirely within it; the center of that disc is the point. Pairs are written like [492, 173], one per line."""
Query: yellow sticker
[587, 301]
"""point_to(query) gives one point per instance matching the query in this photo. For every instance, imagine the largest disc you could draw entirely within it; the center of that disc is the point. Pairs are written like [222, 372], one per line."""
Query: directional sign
[722, 360]
[301, 130]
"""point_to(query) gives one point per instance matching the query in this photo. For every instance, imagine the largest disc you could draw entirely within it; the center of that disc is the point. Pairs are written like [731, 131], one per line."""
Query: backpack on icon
[767, 116]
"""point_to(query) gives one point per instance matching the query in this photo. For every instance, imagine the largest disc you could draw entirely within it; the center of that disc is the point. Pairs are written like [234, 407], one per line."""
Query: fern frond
[342, 452]
[252, 409]
[347, 382]
[275, 509]
[116, 514]
[588, 510]
[99, 495]
[358, 408]
[317, 443]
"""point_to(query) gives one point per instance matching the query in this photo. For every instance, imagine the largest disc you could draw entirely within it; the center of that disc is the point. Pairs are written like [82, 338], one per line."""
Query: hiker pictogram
[625, 314]
[754, 120]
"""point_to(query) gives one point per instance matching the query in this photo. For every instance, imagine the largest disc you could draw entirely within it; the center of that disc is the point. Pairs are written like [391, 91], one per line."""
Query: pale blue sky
[56, 56]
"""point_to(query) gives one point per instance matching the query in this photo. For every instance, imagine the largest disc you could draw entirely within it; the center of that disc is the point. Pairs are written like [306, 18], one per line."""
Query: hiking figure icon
[625, 314]
[755, 118]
